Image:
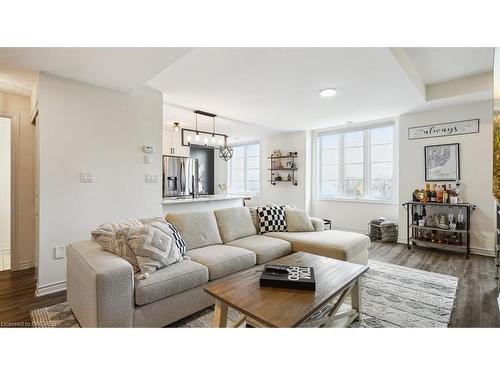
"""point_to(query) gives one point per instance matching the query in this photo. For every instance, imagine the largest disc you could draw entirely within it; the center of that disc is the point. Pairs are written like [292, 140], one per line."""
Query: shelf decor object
[438, 236]
[285, 164]
[442, 162]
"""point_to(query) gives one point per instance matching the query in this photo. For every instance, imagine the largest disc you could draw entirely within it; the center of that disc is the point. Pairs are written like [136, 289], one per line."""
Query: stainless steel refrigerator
[180, 176]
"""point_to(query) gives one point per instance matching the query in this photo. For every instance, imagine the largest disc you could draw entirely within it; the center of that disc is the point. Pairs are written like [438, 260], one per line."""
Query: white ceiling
[443, 64]
[257, 91]
[116, 68]
[279, 87]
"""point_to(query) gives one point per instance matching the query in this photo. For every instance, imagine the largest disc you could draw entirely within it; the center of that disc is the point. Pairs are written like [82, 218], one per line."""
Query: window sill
[344, 200]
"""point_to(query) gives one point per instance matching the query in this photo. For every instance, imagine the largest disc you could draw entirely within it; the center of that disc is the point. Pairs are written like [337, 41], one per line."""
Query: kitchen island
[202, 203]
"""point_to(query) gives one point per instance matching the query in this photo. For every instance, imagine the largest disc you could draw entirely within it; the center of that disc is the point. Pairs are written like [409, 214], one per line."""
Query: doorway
[5, 192]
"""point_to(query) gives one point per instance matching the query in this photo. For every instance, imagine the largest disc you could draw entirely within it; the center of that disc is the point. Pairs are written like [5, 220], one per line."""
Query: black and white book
[293, 277]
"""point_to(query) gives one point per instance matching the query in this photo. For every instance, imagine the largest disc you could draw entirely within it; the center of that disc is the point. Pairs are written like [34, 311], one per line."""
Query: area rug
[393, 296]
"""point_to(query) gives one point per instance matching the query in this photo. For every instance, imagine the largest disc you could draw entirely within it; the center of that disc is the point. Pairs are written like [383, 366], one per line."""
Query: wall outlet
[60, 252]
[152, 178]
[148, 149]
[147, 159]
[86, 177]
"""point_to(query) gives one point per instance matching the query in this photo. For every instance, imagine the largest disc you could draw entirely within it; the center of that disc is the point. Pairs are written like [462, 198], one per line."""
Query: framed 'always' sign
[444, 129]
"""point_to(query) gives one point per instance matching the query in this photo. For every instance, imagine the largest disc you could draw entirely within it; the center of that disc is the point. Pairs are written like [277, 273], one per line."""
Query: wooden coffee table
[278, 307]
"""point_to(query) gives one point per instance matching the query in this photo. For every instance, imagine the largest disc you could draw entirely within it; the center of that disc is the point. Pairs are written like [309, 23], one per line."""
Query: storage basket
[384, 233]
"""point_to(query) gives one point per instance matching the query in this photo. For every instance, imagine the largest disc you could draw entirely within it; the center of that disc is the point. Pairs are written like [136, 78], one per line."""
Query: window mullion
[367, 166]
[341, 165]
[245, 155]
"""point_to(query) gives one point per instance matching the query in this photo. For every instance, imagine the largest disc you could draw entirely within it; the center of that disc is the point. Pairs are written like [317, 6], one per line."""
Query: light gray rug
[393, 296]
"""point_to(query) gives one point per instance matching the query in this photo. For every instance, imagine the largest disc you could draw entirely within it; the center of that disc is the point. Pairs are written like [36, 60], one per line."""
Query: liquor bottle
[445, 194]
[439, 194]
[427, 193]
[433, 193]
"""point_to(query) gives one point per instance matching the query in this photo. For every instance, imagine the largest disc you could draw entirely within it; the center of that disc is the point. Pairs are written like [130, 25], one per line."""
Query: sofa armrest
[318, 224]
[100, 286]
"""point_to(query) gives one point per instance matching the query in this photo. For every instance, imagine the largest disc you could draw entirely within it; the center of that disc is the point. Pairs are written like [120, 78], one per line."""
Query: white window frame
[229, 169]
[365, 127]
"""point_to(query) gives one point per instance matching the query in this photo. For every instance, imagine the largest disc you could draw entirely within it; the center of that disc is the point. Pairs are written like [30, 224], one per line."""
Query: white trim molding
[4, 255]
[42, 290]
[25, 265]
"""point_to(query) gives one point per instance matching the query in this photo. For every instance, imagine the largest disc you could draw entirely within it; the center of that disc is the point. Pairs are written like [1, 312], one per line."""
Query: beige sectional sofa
[103, 291]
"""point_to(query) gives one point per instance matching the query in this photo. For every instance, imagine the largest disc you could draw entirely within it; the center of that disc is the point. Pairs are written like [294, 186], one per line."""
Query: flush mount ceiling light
[327, 93]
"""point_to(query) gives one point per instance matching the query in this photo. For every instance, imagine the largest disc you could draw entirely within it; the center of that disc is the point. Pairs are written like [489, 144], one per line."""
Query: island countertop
[202, 198]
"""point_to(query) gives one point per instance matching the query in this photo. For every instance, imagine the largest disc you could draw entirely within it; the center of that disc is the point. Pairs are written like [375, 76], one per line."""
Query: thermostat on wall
[148, 149]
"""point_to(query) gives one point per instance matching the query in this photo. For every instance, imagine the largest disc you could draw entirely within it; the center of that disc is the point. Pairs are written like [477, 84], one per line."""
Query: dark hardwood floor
[475, 305]
[17, 298]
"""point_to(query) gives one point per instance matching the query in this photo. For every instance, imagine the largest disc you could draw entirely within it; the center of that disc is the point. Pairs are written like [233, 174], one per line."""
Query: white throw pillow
[153, 245]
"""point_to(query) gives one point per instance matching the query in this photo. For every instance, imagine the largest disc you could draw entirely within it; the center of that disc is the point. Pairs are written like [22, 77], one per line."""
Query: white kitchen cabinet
[172, 144]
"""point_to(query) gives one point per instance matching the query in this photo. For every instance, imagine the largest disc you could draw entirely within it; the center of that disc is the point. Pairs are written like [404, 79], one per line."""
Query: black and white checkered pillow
[179, 241]
[272, 219]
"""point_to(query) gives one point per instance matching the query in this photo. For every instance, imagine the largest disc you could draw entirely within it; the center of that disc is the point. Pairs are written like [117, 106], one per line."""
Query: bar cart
[436, 237]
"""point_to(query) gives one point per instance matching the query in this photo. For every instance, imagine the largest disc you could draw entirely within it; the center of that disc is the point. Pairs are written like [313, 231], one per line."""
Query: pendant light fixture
[225, 152]
[176, 127]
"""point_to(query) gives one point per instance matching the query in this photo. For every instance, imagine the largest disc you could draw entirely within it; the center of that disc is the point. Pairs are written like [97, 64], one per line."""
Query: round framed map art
[442, 162]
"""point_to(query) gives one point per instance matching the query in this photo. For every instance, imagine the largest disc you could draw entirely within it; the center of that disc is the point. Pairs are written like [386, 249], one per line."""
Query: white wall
[88, 128]
[4, 193]
[284, 192]
[476, 166]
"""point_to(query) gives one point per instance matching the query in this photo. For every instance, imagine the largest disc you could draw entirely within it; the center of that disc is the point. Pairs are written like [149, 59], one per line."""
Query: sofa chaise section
[349, 246]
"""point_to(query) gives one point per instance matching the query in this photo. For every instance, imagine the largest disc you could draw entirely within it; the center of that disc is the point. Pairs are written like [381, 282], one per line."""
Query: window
[244, 170]
[356, 164]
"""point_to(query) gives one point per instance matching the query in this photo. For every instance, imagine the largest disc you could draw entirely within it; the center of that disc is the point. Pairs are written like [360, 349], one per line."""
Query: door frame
[14, 183]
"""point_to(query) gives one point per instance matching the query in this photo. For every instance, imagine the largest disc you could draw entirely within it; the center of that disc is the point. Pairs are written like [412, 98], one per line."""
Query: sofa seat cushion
[349, 246]
[222, 260]
[265, 248]
[170, 280]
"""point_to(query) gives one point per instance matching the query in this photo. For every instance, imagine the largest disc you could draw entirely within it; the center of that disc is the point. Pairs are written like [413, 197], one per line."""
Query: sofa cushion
[234, 223]
[265, 248]
[170, 280]
[222, 260]
[349, 246]
[298, 220]
[198, 229]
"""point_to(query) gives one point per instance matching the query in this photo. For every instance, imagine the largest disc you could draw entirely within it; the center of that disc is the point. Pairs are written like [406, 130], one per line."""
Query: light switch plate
[152, 178]
[60, 252]
[147, 159]
[86, 177]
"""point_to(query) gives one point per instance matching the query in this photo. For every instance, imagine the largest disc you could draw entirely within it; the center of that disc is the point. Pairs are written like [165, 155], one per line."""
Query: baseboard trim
[42, 290]
[473, 250]
[25, 265]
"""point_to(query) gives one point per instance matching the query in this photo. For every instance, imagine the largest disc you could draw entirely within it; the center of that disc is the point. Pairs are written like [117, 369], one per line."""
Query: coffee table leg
[356, 298]
[220, 315]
